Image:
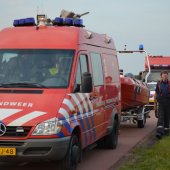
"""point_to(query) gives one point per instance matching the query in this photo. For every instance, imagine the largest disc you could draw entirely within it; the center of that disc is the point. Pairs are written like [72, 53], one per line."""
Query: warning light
[58, 21]
[24, 22]
[68, 21]
[78, 23]
[141, 48]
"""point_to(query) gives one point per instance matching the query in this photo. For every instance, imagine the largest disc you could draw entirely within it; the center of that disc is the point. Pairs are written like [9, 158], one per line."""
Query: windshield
[155, 76]
[35, 68]
[152, 87]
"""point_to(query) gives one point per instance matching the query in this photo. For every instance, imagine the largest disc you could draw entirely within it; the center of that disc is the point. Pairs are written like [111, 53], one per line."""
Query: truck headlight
[50, 127]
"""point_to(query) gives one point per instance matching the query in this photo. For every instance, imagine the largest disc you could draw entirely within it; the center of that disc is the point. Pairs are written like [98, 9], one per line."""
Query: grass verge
[150, 157]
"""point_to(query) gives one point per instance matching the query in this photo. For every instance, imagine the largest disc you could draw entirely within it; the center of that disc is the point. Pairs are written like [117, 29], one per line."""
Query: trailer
[136, 116]
[134, 96]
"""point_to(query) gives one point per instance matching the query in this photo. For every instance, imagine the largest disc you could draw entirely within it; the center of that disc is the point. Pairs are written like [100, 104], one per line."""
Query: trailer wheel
[73, 155]
[141, 123]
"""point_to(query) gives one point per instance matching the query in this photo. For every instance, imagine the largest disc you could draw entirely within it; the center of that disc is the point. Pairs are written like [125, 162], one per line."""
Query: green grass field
[157, 157]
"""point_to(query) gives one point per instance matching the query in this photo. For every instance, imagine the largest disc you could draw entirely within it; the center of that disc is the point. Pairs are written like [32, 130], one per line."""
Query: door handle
[93, 97]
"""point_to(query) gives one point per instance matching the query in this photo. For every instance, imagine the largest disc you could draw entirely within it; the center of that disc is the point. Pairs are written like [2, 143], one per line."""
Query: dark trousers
[163, 117]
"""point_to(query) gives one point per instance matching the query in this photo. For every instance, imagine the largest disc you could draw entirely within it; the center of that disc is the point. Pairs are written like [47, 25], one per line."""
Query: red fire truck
[154, 65]
[59, 91]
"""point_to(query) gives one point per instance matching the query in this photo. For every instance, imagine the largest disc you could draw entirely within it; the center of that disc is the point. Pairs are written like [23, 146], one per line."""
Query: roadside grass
[155, 157]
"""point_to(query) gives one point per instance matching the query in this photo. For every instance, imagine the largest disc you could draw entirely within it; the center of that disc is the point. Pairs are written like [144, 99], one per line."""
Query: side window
[110, 67]
[82, 67]
[83, 63]
[97, 69]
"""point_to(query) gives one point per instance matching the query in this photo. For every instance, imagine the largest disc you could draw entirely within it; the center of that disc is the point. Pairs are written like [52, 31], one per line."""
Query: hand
[156, 110]
[155, 107]
[156, 113]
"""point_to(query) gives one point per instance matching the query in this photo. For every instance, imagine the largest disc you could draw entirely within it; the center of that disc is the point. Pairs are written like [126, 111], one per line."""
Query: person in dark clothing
[162, 102]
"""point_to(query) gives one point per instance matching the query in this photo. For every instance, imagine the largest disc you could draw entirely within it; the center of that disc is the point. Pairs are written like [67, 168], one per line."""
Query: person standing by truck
[162, 100]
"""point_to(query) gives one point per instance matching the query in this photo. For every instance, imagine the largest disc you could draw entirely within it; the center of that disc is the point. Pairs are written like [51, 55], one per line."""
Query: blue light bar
[24, 22]
[16, 22]
[21, 22]
[30, 21]
[58, 21]
[68, 21]
[78, 23]
[141, 47]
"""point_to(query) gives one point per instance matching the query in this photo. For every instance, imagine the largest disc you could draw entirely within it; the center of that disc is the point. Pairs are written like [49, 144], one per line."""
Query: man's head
[164, 75]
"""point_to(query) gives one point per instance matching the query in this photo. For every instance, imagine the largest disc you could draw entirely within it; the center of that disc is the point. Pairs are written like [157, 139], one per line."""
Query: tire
[73, 155]
[111, 140]
[141, 123]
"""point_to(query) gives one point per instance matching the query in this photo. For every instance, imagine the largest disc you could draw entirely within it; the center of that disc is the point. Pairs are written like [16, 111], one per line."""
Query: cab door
[97, 96]
[84, 103]
[92, 120]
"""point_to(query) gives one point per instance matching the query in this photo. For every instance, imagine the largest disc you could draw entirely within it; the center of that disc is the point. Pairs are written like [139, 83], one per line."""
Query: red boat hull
[133, 93]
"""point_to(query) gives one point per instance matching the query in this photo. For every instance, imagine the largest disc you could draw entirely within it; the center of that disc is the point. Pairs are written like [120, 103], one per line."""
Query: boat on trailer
[134, 93]
[134, 98]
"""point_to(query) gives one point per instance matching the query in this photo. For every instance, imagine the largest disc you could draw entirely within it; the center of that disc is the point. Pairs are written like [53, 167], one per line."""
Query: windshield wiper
[22, 84]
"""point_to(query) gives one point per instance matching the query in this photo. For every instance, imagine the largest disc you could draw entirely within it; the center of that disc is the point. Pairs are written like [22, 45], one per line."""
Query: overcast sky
[128, 22]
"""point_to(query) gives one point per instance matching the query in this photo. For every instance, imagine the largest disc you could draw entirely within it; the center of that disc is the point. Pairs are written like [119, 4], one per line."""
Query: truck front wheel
[112, 139]
[73, 155]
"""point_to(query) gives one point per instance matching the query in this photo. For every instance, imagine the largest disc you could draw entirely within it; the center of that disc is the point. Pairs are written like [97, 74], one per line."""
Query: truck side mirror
[86, 82]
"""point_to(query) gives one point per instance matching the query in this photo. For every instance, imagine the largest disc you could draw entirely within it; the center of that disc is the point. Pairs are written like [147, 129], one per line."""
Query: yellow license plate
[151, 100]
[7, 151]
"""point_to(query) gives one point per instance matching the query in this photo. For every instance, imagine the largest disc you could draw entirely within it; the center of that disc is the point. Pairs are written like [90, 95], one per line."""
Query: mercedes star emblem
[2, 129]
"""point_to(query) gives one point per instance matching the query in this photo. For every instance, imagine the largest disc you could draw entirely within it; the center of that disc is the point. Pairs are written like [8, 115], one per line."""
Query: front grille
[22, 91]
[11, 143]
[11, 131]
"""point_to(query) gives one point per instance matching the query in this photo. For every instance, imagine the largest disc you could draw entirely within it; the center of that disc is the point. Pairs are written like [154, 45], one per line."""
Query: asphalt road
[130, 136]
[101, 159]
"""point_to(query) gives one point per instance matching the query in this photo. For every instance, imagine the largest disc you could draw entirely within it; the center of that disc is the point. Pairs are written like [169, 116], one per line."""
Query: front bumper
[32, 150]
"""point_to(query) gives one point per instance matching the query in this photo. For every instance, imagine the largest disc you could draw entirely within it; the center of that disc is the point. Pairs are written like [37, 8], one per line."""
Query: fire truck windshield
[35, 68]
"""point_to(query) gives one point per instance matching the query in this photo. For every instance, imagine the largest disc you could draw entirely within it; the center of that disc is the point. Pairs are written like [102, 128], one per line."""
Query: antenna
[125, 47]
[42, 6]
[37, 9]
